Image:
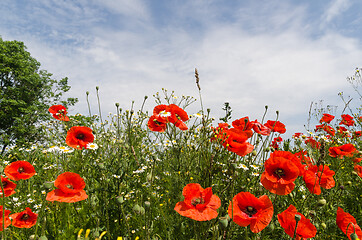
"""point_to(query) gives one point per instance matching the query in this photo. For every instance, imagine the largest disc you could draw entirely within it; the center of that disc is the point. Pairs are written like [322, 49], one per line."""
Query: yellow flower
[80, 233]
[87, 232]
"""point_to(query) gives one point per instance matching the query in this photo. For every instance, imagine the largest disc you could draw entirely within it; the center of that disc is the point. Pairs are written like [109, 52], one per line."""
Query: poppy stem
[297, 219]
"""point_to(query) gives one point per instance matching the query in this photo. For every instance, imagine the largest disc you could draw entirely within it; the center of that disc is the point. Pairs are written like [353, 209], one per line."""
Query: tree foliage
[26, 92]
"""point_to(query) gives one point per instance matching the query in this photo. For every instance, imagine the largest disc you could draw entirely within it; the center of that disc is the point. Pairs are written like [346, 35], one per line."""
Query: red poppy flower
[328, 129]
[318, 127]
[8, 186]
[275, 142]
[275, 126]
[358, 170]
[19, 170]
[246, 209]
[162, 113]
[24, 219]
[155, 125]
[313, 143]
[347, 120]
[236, 142]
[304, 159]
[305, 229]
[297, 135]
[59, 112]
[78, 137]
[178, 116]
[244, 125]
[316, 177]
[343, 131]
[281, 170]
[7, 220]
[345, 150]
[327, 118]
[345, 220]
[357, 134]
[70, 188]
[357, 160]
[199, 204]
[260, 128]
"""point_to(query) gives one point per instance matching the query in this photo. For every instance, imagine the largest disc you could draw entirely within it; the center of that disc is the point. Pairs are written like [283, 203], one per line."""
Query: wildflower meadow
[172, 174]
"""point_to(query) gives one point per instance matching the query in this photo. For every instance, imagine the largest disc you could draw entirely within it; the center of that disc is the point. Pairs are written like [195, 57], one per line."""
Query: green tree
[26, 92]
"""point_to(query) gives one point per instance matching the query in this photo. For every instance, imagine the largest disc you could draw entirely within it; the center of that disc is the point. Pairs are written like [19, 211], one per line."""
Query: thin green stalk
[89, 109]
[99, 107]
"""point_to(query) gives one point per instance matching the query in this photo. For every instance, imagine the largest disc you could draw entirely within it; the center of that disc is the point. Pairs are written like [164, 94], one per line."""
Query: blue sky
[284, 54]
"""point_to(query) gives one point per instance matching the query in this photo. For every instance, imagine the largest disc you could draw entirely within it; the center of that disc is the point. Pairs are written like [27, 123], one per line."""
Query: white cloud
[250, 61]
[336, 8]
[134, 9]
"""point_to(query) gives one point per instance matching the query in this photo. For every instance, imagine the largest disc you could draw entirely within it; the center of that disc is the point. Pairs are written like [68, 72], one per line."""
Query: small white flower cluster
[116, 176]
[62, 149]
[140, 170]
[242, 166]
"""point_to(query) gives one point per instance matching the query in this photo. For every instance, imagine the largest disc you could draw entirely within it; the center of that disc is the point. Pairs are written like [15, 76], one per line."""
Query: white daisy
[92, 146]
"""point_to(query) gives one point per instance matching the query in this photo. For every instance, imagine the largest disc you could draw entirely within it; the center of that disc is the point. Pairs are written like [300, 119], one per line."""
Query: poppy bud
[147, 204]
[321, 202]
[87, 93]
[146, 97]
[117, 104]
[182, 227]
[223, 221]
[254, 153]
[149, 177]
[138, 209]
[120, 199]
[323, 225]
[354, 236]
[297, 217]
[48, 185]
[349, 183]
[97, 88]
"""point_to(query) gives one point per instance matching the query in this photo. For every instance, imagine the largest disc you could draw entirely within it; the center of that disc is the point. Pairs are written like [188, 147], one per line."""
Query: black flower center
[196, 201]
[279, 172]
[4, 184]
[21, 169]
[250, 211]
[25, 217]
[80, 136]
